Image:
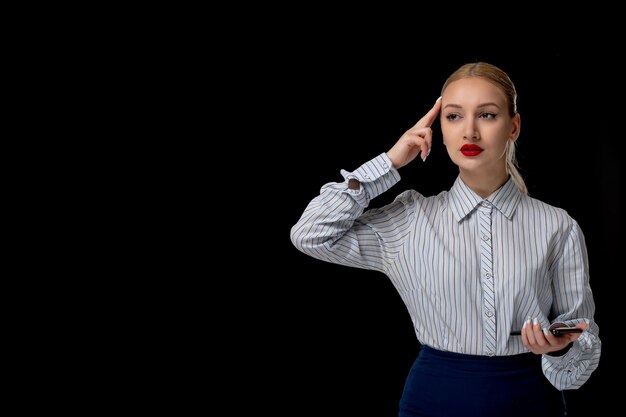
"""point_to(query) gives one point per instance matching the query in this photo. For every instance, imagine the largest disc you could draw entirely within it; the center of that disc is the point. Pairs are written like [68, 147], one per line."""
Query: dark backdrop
[332, 340]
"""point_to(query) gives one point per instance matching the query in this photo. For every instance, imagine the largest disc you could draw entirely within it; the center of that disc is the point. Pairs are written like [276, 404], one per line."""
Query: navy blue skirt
[446, 384]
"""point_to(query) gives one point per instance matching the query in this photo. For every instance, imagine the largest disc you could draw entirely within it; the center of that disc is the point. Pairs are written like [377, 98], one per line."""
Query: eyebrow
[479, 106]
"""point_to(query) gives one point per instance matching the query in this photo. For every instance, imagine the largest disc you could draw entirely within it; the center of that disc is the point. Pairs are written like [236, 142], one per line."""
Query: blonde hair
[501, 80]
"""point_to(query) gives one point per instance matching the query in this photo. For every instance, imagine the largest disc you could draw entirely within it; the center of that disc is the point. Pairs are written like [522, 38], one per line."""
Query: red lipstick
[471, 150]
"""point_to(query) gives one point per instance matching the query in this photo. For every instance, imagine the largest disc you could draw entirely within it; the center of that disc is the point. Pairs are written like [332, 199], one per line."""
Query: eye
[453, 116]
[487, 115]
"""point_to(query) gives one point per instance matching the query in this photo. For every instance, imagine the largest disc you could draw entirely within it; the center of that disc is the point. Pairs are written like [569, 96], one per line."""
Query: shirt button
[367, 176]
[490, 353]
[385, 165]
[485, 237]
[488, 275]
[489, 313]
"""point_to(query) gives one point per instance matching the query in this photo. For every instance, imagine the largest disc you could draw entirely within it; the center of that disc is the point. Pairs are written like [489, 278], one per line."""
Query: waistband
[479, 362]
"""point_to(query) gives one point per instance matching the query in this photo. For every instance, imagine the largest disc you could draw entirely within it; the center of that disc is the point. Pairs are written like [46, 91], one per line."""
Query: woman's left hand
[539, 342]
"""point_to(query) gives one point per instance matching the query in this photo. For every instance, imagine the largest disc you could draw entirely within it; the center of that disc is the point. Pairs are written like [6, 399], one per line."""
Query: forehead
[473, 91]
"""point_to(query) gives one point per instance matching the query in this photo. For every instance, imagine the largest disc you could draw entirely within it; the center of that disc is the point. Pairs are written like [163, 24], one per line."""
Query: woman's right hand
[416, 139]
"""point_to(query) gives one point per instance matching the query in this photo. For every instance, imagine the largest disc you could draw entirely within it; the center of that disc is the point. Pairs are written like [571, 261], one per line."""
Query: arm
[573, 305]
[335, 229]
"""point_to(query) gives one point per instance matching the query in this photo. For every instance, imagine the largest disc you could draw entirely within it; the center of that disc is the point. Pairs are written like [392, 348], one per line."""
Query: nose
[470, 133]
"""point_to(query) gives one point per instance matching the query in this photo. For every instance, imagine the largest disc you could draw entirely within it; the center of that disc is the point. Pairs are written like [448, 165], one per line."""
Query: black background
[241, 116]
[330, 340]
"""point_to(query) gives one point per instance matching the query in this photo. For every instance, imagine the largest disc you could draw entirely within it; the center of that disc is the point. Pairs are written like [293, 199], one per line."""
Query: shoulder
[546, 212]
[412, 197]
[417, 204]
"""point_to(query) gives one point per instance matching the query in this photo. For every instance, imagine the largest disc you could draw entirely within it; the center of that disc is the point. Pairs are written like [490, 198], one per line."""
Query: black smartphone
[559, 331]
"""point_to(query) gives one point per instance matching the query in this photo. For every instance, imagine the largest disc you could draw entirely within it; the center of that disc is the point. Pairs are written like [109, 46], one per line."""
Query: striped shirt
[469, 270]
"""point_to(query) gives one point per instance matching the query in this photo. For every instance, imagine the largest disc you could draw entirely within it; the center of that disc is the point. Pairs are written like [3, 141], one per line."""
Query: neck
[484, 183]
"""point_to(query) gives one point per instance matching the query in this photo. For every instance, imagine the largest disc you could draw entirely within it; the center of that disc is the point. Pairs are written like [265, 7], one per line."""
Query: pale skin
[474, 112]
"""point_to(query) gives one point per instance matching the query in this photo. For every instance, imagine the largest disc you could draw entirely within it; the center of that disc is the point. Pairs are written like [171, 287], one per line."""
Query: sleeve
[573, 303]
[336, 228]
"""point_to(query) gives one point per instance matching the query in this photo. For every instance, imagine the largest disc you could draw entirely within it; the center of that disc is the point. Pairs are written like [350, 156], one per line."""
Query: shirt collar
[463, 200]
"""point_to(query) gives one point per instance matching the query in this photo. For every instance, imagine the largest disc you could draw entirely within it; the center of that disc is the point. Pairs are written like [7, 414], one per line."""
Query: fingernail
[428, 153]
[545, 331]
[440, 97]
[535, 321]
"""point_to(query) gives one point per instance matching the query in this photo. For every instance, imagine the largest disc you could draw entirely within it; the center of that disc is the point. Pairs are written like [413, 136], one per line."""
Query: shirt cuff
[376, 176]
[571, 356]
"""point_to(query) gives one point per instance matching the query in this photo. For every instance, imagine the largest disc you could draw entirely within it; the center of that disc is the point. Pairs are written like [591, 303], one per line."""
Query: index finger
[431, 116]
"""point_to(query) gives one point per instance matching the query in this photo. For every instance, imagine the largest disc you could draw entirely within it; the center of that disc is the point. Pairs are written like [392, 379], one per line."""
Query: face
[476, 125]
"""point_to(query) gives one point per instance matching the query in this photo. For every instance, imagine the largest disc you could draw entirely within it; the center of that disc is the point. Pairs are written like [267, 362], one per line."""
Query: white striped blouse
[470, 270]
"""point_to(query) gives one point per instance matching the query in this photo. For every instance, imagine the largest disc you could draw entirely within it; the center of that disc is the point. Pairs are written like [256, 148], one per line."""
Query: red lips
[471, 150]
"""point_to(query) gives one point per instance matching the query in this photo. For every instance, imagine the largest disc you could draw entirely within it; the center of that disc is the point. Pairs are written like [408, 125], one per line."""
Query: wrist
[354, 184]
[561, 352]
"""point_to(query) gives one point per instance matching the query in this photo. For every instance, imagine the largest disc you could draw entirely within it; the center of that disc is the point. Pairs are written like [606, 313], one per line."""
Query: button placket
[486, 269]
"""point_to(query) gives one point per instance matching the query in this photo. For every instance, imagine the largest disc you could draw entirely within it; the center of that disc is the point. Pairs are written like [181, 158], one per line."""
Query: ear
[516, 125]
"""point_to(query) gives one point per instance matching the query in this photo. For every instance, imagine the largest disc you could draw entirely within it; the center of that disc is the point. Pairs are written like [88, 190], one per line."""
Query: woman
[484, 269]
